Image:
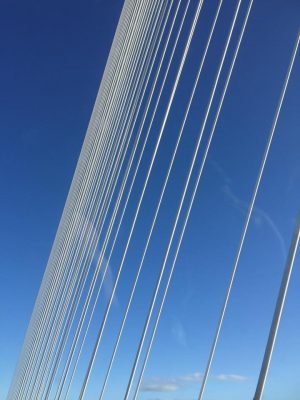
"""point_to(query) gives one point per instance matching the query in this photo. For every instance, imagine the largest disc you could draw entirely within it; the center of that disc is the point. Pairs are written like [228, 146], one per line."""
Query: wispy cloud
[160, 385]
[178, 333]
[108, 282]
[231, 377]
[183, 381]
[220, 171]
[259, 215]
[193, 377]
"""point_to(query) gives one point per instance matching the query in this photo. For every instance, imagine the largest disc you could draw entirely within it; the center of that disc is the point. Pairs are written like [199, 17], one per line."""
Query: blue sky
[52, 59]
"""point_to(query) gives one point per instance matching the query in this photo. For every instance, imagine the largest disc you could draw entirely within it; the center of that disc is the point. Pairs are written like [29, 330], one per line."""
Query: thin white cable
[91, 363]
[79, 164]
[187, 216]
[278, 313]
[102, 252]
[31, 395]
[70, 192]
[149, 58]
[135, 173]
[141, 343]
[248, 217]
[136, 170]
[160, 200]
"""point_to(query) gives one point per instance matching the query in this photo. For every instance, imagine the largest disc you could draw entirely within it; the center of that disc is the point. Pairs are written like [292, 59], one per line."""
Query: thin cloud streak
[231, 377]
[160, 387]
[259, 215]
[181, 382]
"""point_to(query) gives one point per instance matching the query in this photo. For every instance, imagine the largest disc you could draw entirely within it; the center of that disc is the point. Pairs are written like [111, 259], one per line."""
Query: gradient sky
[52, 59]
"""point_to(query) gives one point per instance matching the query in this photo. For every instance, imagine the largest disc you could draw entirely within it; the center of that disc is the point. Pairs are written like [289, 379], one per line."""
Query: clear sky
[52, 59]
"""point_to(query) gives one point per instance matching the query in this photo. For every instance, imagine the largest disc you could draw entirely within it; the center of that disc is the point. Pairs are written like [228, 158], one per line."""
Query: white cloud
[231, 377]
[174, 384]
[178, 333]
[193, 377]
[160, 387]
[259, 216]
[108, 282]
